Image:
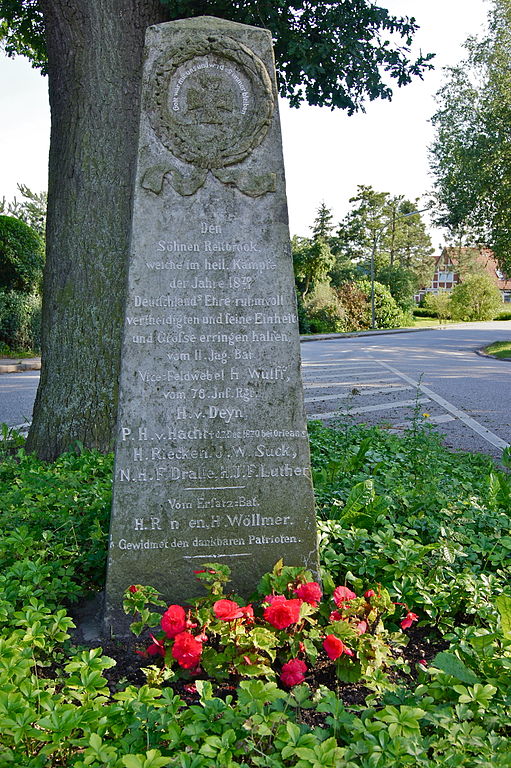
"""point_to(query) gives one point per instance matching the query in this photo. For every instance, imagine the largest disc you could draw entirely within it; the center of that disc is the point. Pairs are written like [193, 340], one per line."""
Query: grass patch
[500, 349]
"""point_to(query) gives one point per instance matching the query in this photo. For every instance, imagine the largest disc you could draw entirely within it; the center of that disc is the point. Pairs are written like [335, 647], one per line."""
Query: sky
[326, 153]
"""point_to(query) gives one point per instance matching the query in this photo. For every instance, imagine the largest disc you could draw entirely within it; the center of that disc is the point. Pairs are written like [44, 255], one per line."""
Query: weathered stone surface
[212, 459]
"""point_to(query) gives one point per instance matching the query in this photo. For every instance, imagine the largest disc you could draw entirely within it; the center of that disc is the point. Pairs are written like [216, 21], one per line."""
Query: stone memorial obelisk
[212, 458]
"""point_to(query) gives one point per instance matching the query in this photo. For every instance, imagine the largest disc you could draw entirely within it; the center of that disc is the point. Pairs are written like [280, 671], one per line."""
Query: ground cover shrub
[431, 526]
[65, 504]
[402, 512]
[503, 315]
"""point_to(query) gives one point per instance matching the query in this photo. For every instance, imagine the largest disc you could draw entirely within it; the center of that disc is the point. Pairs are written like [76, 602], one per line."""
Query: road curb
[379, 332]
[24, 365]
[482, 353]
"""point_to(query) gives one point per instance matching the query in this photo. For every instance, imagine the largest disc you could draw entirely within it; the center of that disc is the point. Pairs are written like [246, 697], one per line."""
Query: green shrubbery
[21, 264]
[431, 527]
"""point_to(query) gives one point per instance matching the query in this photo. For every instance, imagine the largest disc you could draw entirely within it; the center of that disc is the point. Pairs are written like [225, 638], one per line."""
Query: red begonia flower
[187, 650]
[293, 672]
[227, 610]
[342, 595]
[370, 593]
[274, 599]
[282, 613]
[173, 620]
[408, 620]
[336, 616]
[334, 647]
[133, 589]
[310, 592]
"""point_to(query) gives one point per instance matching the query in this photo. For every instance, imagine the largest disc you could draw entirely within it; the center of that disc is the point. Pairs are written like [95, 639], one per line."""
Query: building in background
[456, 262]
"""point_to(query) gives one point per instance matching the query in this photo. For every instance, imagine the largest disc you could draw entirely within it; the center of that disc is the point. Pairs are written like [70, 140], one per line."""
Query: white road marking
[356, 384]
[483, 432]
[341, 395]
[368, 408]
[431, 420]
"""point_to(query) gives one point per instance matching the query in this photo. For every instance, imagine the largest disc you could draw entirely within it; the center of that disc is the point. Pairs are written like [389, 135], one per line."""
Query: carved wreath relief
[211, 106]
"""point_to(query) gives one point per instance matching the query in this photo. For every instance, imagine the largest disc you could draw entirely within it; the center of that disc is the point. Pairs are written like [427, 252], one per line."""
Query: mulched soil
[422, 646]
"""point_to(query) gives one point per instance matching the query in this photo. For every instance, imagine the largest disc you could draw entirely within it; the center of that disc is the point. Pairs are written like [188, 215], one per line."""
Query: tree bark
[95, 60]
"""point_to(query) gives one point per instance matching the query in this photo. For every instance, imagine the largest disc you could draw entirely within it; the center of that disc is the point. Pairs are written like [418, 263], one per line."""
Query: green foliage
[386, 311]
[441, 541]
[311, 261]
[441, 537]
[21, 256]
[438, 305]
[334, 54]
[402, 284]
[20, 320]
[388, 230]
[31, 210]
[355, 305]
[470, 156]
[500, 349]
[324, 310]
[476, 298]
[66, 503]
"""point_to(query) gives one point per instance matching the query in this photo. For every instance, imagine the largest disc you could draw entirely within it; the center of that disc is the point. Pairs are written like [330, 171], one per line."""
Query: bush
[439, 304]
[20, 320]
[424, 312]
[387, 312]
[477, 298]
[21, 256]
[354, 302]
[325, 313]
[503, 316]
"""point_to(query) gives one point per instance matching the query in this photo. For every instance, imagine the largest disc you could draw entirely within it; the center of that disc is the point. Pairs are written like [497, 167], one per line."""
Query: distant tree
[401, 282]
[312, 259]
[471, 152]
[31, 210]
[387, 227]
[323, 227]
[476, 298]
[21, 256]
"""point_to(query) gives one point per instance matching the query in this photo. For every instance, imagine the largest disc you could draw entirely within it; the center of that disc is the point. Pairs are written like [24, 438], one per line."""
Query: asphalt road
[17, 395]
[389, 379]
[394, 379]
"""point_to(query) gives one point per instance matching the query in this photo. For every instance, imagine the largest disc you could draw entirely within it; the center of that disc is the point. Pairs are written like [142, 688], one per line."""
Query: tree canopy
[471, 152]
[390, 228]
[335, 54]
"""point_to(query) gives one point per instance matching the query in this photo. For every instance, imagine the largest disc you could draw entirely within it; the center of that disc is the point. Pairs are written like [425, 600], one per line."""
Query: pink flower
[423, 662]
[227, 610]
[310, 593]
[173, 620]
[274, 599]
[342, 595]
[282, 613]
[370, 593]
[187, 650]
[336, 616]
[293, 672]
[334, 647]
[361, 628]
[408, 620]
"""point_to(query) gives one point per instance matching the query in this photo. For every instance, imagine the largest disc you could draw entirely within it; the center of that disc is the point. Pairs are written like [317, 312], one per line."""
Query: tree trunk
[95, 61]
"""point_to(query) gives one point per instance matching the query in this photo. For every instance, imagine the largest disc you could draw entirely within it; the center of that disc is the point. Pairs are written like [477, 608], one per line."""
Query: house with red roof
[454, 262]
